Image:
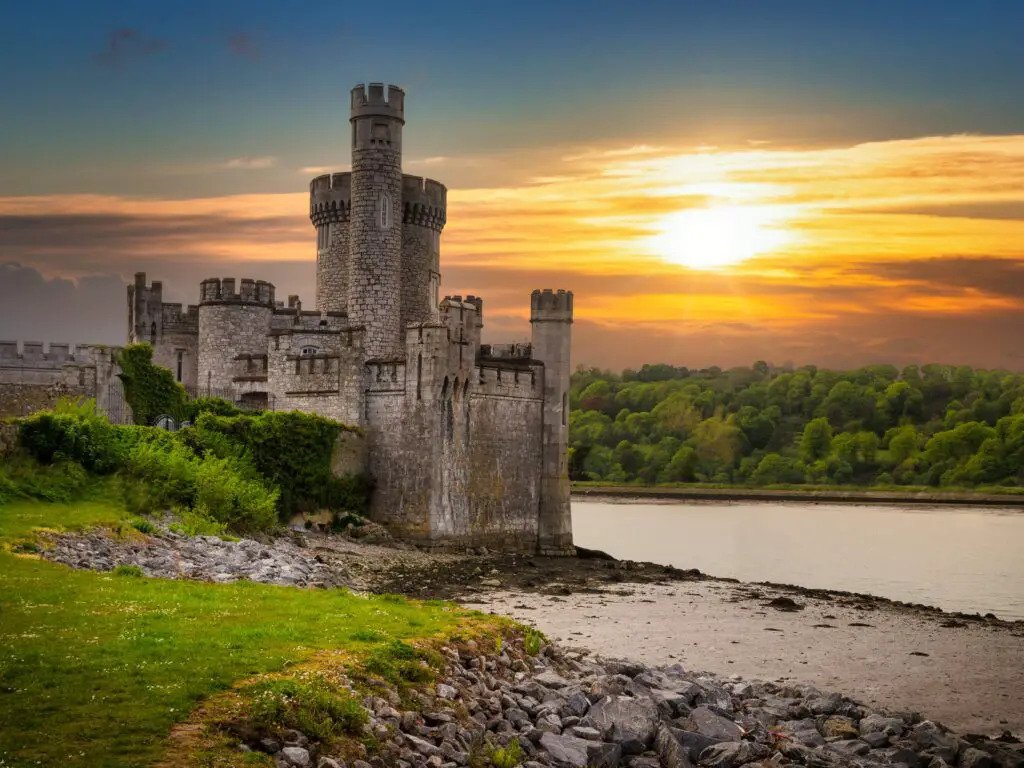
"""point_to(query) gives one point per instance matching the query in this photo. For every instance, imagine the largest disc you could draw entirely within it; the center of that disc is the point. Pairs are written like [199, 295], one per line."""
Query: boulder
[975, 758]
[875, 723]
[713, 725]
[670, 748]
[575, 752]
[296, 756]
[839, 727]
[932, 740]
[626, 721]
[730, 754]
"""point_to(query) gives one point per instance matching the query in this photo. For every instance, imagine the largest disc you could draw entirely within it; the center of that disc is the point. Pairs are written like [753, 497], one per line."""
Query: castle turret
[330, 204]
[551, 319]
[144, 310]
[375, 227]
[233, 323]
[424, 209]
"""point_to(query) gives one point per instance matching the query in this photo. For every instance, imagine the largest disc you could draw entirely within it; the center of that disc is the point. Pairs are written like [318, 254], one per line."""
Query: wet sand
[968, 675]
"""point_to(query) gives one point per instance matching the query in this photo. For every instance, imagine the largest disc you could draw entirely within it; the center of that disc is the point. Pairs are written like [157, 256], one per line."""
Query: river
[968, 559]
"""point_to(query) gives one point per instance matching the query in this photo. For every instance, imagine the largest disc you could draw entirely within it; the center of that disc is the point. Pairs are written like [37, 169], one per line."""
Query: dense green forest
[933, 425]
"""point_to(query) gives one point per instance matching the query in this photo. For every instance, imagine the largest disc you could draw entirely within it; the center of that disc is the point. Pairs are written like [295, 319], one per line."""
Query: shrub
[222, 494]
[73, 430]
[508, 756]
[313, 706]
[127, 570]
[23, 478]
[160, 477]
[293, 451]
[191, 523]
[142, 525]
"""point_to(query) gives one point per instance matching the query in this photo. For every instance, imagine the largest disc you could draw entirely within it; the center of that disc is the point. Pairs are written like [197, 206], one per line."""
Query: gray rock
[671, 750]
[422, 746]
[585, 732]
[730, 754]
[446, 691]
[296, 756]
[550, 679]
[850, 747]
[929, 738]
[875, 723]
[626, 721]
[329, 762]
[975, 758]
[580, 753]
[713, 725]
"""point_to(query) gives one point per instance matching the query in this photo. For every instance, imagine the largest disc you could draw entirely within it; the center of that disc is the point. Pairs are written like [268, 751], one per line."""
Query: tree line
[930, 425]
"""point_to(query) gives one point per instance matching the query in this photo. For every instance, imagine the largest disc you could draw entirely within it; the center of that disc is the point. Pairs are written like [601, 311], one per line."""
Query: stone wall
[227, 329]
[328, 382]
[34, 375]
[8, 439]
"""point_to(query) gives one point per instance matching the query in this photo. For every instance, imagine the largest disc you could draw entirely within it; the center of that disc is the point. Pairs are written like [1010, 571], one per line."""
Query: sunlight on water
[960, 559]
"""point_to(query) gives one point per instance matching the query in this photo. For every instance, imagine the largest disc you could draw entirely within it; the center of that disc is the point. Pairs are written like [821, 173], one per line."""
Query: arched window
[384, 211]
[152, 332]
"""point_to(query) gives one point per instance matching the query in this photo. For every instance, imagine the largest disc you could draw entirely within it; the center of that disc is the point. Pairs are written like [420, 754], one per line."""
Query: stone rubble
[569, 710]
[170, 555]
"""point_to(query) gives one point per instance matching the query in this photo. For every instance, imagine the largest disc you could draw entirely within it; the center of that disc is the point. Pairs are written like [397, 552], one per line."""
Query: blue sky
[114, 97]
[722, 181]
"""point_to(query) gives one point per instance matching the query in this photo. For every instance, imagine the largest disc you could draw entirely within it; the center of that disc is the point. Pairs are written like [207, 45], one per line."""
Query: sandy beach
[967, 675]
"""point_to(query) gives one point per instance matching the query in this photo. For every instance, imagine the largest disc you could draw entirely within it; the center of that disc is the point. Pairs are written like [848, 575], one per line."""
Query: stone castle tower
[466, 442]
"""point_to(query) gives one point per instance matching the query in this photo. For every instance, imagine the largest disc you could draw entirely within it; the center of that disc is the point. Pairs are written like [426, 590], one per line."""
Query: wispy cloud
[249, 163]
[127, 43]
[906, 250]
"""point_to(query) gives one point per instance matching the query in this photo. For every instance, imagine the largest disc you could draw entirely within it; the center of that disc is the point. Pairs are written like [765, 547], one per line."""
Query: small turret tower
[375, 226]
[551, 320]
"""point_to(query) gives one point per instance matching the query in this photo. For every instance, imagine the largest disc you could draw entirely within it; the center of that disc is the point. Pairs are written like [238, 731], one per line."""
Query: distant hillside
[932, 425]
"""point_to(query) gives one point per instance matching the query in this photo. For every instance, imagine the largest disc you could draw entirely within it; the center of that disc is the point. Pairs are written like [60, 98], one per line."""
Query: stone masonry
[466, 442]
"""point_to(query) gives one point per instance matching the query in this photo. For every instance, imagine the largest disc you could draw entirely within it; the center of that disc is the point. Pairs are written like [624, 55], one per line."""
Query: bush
[142, 525]
[127, 570]
[73, 430]
[222, 494]
[23, 478]
[191, 523]
[293, 451]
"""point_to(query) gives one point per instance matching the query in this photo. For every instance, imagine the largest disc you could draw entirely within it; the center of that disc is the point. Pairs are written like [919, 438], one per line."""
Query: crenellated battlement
[221, 290]
[424, 202]
[174, 320]
[378, 100]
[385, 376]
[548, 304]
[330, 198]
[50, 353]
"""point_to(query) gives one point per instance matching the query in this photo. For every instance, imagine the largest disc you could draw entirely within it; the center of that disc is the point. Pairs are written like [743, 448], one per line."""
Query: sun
[719, 236]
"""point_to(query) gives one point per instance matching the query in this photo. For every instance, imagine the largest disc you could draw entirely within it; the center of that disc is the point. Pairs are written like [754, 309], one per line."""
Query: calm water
[960, 559]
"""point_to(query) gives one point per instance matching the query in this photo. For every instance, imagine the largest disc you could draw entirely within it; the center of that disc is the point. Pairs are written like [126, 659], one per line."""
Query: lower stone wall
[504, 469]
[8, 439]
[23, 399]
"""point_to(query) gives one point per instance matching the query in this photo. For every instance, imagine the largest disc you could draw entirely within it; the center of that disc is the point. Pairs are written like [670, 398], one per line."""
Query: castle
[465, 442]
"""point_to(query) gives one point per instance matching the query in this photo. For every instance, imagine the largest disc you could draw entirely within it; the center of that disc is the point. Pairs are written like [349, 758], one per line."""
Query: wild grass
[95, 668]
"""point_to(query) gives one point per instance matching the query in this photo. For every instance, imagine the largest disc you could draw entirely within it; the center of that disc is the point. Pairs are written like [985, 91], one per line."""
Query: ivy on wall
[150, 389]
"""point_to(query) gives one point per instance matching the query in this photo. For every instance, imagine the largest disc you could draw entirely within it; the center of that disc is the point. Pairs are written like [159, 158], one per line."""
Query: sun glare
[719, 236]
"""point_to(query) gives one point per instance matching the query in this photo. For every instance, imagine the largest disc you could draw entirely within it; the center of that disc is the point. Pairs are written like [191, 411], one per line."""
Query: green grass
[95, 669]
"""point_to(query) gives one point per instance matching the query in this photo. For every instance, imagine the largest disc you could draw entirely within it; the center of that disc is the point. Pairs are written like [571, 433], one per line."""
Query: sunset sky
[719, 182]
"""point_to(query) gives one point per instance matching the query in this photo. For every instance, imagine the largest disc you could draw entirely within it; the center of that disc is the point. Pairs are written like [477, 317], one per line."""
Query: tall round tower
[375, 225]
[329, 208]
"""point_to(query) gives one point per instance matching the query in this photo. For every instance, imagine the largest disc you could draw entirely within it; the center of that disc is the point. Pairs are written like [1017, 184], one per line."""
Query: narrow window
[419, 375]
[181, 357]
[152, 333]
[385, 212]
[565, 408]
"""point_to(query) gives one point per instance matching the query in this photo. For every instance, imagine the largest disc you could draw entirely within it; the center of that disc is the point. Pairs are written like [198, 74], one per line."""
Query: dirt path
[966, 674]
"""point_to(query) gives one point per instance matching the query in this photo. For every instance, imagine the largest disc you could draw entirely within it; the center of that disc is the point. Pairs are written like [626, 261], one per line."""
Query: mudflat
[966, 674]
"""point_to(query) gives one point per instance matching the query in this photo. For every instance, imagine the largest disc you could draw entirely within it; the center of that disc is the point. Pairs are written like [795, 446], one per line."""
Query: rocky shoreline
[566, 709]
[964, 669]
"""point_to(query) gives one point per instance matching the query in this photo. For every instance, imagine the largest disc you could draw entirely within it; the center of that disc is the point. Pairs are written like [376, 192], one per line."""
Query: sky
[718, 182]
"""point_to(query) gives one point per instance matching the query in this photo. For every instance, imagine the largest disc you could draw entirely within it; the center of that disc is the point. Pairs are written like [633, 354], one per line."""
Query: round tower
[551, 319]
[329, 209]
[233, 322]
[424, 209]
[375, 225]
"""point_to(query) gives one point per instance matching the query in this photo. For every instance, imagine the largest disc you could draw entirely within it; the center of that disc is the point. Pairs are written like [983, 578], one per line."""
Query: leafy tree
[816, 441]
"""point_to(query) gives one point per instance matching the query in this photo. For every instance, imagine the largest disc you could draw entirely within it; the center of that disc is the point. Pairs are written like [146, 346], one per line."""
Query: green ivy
[150, 389]
[292, 450]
